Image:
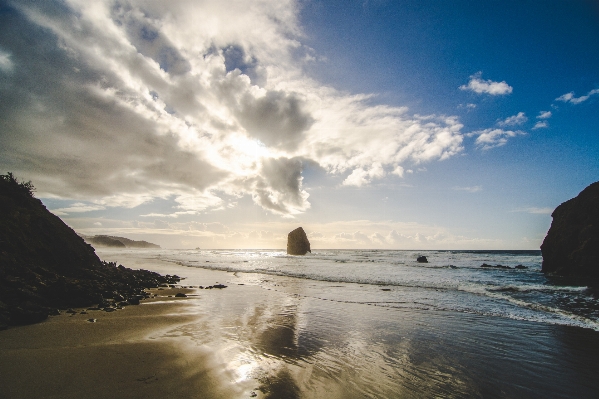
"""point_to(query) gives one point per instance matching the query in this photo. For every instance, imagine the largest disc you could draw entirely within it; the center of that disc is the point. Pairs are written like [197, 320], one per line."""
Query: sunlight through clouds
[196, 101]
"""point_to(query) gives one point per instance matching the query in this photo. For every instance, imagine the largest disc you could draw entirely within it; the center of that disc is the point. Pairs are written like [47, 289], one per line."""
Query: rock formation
[422, 259]
[45, 265]
[571, 248]
[117, 242]
[297, 242]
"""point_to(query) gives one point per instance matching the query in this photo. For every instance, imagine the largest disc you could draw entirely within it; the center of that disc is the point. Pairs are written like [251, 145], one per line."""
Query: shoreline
[256, 341]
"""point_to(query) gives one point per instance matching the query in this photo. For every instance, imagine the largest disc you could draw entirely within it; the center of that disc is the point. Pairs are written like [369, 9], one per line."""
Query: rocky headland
[571, 247]
[297, 242]
[46, 266]
[117, 242]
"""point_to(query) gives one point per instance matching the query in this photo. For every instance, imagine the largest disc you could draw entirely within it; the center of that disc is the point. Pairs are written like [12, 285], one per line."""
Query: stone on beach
[297, 242]
[422, 259]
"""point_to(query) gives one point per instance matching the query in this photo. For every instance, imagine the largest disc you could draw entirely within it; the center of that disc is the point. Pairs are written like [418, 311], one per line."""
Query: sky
[415, 124]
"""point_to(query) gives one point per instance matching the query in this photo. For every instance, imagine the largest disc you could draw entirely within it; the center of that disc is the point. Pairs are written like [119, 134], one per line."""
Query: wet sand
[252, 340]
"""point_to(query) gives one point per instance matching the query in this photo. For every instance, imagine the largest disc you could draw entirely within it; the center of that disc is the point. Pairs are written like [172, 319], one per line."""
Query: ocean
[378, 324]
[450, 281]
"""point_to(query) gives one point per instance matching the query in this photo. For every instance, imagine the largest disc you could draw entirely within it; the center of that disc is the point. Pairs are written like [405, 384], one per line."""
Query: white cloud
[541, 125]
[569, 97]
[360, 176]
[6, 64]
[471, 189]
[491, 138]
[544, 115]
[195, 101]
[514, 120]
[480, 86]
[77, 208]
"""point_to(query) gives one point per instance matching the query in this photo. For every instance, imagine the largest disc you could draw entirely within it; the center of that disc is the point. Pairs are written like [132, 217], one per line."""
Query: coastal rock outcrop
[422, 259]
[45, 265]
[117, 242]
[571, 247]
[297, 242]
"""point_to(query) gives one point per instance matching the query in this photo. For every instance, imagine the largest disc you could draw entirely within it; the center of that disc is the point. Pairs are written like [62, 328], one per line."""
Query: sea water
[450, 281]
[378, 324]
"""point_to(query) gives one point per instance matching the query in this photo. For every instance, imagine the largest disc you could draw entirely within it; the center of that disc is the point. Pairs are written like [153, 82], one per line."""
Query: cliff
[45, 265]
[571, 247]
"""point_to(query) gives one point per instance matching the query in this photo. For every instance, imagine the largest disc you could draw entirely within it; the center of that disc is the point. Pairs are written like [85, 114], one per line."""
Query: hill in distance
[104, 241]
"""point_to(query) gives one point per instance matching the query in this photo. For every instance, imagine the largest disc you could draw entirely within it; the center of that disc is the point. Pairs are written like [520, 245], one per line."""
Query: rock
[92, 320]
[495, 267]
[219, 286]
[180, 295]
[45, 265]
[421, 259]
[297, 242]
[571, 247]
[520, 267]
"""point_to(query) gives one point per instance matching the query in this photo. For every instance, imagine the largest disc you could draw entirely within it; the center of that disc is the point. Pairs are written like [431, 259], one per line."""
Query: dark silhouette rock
[297, 242]
[105, 241]
[45, 265]
[422, 259]
[520, 267]
[180, 295]
[571, 247]
[484, 265]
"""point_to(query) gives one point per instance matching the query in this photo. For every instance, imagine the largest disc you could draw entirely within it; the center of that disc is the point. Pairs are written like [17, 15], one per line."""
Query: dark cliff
[571, 248]
[45, 265]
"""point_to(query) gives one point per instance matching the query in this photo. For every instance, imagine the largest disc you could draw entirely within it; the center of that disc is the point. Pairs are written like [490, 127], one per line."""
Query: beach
[261, 337]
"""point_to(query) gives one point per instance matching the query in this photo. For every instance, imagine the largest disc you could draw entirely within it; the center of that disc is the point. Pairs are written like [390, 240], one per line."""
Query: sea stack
[571, 247]
[297, 242]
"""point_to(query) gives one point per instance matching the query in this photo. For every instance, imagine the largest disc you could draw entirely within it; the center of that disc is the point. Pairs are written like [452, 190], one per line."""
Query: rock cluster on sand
[421, 259]
[297, 242]
[45, 265]
[571, 248]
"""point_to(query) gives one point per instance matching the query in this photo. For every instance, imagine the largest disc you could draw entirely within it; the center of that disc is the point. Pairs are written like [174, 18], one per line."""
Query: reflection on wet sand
[275, 344]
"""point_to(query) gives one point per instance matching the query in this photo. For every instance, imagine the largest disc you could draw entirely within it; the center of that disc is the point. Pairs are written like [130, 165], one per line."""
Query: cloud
[514, 120]
[77, 208]
[472, 189]
[537, 211]
[122, 102]
[544, 115]
[479, 86]
[6, 64]
[569, 97]
[491, 138]
[360, 176]
[541, 125]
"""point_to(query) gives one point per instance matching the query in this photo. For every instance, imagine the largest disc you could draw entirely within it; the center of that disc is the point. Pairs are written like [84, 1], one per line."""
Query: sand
[131, 353]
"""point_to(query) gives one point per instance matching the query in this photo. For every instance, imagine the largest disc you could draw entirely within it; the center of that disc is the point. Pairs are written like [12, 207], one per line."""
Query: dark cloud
[236, 58]
[277, 118]
[56, 130]
[280, 186]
